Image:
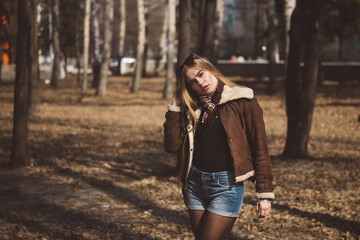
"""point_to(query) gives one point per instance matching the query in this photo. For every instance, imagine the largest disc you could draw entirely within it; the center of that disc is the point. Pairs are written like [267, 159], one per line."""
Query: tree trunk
[86, 44]
[162, 41]
[145, 55]
[140, 47]
[200, 23]
[260, 25]
[56, 44]
[122, 27]
[271, 47]
[33, 86]
[168, 90]
[185, 31]
[220, 8]
[300, 90]
[77, 54]
[208, 33]
[340, 47]
[122, 32]
[24, 57]
[289, 6]
[109, 15]
[96, 37]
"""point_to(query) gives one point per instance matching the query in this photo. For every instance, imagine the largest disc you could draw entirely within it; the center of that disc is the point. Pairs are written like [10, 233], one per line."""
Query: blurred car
[123, 67]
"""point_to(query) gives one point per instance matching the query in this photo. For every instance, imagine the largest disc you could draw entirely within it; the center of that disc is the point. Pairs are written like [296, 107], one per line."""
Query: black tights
[209, 226]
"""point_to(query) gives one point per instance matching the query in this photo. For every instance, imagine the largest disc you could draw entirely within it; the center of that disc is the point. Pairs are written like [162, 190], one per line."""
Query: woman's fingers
[263, 209]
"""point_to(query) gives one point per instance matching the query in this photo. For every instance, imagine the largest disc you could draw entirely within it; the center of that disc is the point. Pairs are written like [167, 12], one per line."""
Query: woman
[219, 128]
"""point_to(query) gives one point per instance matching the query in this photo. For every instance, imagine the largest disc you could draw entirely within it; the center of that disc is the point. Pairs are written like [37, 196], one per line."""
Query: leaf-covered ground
[98, 169]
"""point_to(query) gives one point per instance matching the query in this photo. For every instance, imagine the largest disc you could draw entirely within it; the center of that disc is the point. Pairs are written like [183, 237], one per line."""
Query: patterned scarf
[210, 103]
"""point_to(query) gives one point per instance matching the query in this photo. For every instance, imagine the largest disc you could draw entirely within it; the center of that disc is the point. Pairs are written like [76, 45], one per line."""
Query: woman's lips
[205, 88]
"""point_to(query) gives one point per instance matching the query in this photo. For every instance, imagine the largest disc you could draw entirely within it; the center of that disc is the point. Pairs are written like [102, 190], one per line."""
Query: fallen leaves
[99, 170]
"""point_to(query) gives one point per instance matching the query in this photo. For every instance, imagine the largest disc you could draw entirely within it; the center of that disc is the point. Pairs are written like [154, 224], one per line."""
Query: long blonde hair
[189, 97]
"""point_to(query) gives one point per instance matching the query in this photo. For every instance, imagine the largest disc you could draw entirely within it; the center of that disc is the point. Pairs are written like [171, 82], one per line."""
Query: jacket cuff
[268, 195]
[174, 108]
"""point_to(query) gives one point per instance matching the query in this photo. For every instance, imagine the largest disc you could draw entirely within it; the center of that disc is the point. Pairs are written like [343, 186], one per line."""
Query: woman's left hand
[263, 208]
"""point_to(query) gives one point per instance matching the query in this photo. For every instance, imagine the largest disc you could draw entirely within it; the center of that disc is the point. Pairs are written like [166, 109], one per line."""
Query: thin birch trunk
[96, 40]
[55, 74]
[289, 6]
[122, 28]
[140, 47]
[86, 44]
[171, 50]
[271, 47]
[109, 16]
[162, 41]
[220, 8]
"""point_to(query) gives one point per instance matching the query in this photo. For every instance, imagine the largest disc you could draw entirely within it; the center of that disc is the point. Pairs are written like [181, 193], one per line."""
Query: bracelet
[264, 200]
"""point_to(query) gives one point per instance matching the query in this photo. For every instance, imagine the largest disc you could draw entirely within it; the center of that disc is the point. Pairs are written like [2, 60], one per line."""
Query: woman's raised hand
[176, 98]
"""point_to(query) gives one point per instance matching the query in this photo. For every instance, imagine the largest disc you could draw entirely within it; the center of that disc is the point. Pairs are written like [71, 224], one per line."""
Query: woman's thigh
[214, 227]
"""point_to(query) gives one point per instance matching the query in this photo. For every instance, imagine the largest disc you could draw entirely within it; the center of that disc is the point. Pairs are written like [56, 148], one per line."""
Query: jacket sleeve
[172, 129]
[258, 143]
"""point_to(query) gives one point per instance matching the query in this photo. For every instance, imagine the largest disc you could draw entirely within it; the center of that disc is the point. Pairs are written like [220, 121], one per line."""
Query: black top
[211, 151]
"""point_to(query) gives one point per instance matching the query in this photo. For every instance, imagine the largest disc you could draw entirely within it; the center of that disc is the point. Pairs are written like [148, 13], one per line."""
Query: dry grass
[99, 171]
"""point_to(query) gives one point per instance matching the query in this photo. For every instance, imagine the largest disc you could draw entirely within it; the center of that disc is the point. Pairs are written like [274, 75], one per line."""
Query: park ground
[98, 169]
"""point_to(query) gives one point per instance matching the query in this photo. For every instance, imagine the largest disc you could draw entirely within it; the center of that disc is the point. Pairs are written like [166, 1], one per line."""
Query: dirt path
[99, 171]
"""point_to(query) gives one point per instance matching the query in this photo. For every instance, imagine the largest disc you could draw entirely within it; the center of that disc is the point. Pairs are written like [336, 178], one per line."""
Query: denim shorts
[217, 192]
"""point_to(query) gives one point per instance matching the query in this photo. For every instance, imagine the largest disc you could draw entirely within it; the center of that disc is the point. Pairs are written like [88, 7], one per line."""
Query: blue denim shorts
[217, 192]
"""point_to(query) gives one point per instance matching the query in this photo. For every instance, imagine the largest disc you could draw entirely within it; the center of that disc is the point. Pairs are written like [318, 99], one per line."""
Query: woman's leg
[195, 218]
[214, 227]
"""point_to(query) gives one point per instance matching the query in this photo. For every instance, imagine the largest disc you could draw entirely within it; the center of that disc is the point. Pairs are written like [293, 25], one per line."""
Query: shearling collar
[229, 94]
[233, 93]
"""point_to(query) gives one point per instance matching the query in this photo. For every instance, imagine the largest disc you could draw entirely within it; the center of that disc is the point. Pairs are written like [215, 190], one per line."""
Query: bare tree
[220, 8]
[201, 5]
[271, 47]
[208, 31]
[86, 44]
[122, 31]
[24, 58]
[171, 50]
[109, 15]
[96, 49]
[289, 6]
[260, 25]
[34, 80]
[146, 45]
[301, 86]
[140, 47]
[162, 41]
[185, 31]
[56, 43]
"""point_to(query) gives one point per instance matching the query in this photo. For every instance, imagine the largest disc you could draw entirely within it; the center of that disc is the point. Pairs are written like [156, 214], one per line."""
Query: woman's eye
[200, 74]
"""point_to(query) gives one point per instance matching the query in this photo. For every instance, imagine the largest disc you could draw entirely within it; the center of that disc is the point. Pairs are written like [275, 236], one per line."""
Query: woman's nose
[200, 81]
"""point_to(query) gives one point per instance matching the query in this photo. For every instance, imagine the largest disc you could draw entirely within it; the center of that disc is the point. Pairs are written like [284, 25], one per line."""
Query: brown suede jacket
[243, 122]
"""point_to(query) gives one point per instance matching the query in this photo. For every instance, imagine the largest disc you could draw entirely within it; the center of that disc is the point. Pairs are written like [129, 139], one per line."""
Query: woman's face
[202, 82]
